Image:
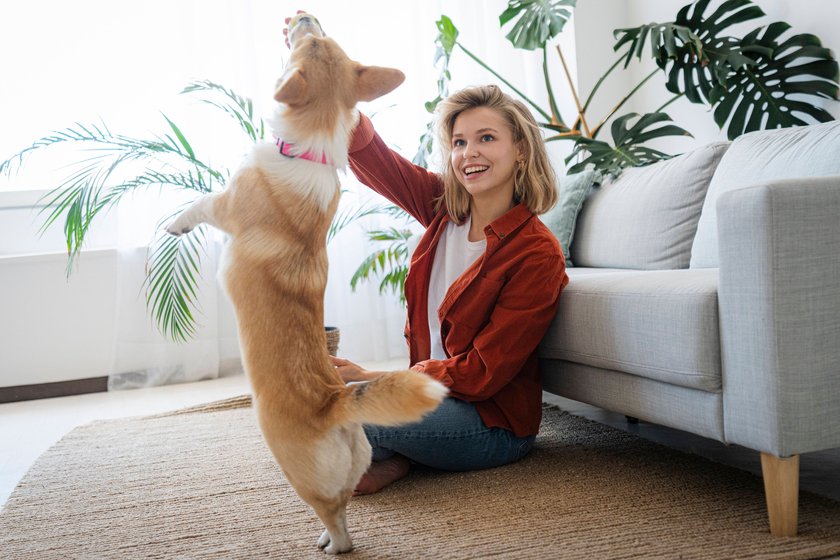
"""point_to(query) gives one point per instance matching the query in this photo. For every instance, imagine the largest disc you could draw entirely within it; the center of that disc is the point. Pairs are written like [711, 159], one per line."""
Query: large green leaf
[627, 149]
[754, 83]
[445, 41]
[772, 92]
[539, 21]
[668, 40]
[697, 76]
[693, 46]
[447, 36]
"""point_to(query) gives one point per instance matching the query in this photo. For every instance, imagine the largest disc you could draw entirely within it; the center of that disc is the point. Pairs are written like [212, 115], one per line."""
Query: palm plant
[118, 165]
[389, 263]
[757, 81]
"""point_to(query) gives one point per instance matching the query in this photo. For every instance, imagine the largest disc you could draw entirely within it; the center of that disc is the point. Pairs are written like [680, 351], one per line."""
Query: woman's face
[483, 153]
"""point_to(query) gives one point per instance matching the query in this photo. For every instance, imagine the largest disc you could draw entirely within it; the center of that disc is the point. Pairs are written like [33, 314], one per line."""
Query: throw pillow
[561, 219]
[646, 218]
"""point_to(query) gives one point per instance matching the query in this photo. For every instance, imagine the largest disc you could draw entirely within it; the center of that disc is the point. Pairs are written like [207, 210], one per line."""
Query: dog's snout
[303, 25]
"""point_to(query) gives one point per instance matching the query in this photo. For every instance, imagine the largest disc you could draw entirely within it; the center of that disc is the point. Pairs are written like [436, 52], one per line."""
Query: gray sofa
[705, 296]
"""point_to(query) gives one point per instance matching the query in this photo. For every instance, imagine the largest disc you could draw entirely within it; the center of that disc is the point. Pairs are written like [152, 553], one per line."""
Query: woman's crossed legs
[452, 438]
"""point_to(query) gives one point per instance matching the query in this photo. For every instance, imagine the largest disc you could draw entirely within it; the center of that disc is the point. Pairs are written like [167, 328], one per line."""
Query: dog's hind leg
[335, 539]
[345, 472]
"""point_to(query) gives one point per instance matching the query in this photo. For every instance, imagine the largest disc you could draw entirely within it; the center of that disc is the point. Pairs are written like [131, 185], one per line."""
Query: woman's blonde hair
[534, 182]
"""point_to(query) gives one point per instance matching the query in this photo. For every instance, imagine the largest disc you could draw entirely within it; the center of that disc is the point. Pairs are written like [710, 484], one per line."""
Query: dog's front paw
[178, 227]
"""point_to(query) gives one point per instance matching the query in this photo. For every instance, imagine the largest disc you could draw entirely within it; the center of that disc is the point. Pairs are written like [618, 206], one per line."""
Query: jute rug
[201, 484]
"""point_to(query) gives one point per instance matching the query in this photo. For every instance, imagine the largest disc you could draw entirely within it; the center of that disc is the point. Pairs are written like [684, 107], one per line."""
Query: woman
[482, 287]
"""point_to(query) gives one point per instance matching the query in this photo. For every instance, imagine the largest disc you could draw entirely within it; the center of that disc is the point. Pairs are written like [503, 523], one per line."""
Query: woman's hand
[352, 372]
[286, 30]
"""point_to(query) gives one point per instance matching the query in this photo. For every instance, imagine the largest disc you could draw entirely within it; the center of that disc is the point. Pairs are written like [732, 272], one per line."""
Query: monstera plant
[763, 79]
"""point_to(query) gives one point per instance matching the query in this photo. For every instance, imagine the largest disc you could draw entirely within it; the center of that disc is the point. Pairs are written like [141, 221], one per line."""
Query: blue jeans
[451, 438]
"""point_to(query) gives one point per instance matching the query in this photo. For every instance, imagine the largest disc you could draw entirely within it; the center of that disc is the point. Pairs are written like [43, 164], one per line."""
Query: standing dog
[277, 209]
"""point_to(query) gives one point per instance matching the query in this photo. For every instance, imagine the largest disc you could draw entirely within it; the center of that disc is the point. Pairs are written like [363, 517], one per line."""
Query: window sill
[15, 200]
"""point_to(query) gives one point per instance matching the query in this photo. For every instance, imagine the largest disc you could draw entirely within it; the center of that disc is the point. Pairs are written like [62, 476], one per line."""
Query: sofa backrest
[787, 153]
[646, 218]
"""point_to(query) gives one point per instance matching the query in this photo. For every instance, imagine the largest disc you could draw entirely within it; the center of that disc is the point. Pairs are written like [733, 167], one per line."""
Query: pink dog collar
[286, 150]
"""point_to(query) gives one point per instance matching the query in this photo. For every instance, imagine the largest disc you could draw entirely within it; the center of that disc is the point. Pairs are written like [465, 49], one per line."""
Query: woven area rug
[201, 484]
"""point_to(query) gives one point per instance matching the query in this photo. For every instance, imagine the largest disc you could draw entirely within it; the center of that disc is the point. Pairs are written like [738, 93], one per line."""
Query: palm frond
[80, 199]
[348, 215]
[93, 187]
[173, 269]
[92, 133]
[190, 179]
[179, 147]
[390, 263]
[236, 106]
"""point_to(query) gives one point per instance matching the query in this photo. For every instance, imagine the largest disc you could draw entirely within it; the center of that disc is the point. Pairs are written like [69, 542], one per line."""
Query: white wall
[43, 339]
[593, 23]
[52, 328]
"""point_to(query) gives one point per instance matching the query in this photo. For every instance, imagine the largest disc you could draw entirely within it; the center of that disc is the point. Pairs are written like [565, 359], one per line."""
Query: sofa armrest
[779, 300]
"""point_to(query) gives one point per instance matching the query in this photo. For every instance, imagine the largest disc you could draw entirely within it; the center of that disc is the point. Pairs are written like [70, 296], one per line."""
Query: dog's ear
[292, 88]
[376, 81]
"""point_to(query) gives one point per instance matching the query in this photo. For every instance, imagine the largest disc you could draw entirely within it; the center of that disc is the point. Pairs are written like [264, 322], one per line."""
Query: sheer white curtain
[125, 63]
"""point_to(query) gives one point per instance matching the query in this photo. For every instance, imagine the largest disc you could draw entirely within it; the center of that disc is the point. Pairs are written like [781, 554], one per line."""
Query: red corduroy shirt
[493, 316]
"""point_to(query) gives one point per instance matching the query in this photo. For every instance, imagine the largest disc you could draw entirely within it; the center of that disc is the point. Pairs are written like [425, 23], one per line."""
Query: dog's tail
[392, 399]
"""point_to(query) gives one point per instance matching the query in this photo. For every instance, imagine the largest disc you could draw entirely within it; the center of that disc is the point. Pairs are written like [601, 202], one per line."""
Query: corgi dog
[277, 209]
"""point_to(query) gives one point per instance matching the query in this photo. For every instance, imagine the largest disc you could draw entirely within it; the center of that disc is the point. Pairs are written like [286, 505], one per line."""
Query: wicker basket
[333, 336]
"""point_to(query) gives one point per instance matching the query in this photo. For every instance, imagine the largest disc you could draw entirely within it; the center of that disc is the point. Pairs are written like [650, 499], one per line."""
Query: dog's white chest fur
[308, 178]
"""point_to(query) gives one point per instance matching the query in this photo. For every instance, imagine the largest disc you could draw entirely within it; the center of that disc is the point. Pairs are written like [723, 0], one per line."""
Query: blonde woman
[483, 284]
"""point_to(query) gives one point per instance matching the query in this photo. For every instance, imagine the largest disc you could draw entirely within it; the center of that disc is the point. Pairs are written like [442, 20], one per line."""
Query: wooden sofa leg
[781, 489]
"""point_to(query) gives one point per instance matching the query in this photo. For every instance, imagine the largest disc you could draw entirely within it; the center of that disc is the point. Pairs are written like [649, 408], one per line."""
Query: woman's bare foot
[382, 473]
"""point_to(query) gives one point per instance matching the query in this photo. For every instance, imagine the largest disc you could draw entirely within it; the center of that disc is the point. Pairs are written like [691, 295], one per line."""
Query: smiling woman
[484, 157]
[96, 61]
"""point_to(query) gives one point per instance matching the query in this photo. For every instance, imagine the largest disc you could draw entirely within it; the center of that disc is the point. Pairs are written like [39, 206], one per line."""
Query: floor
[27, 429]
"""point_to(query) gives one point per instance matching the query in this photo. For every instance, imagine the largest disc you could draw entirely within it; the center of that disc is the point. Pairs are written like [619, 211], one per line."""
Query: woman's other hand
[352, 372]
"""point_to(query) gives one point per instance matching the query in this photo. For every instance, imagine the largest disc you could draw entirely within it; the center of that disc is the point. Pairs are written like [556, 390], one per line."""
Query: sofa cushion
[661, 325]
[561, 219]
[787, 153]
[646, 218]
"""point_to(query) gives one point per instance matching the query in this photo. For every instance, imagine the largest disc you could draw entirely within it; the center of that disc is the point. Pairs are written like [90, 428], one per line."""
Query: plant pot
[333, 336]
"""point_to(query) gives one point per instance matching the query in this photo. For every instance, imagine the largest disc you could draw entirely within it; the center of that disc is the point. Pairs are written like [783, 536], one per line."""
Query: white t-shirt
[454, 254]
